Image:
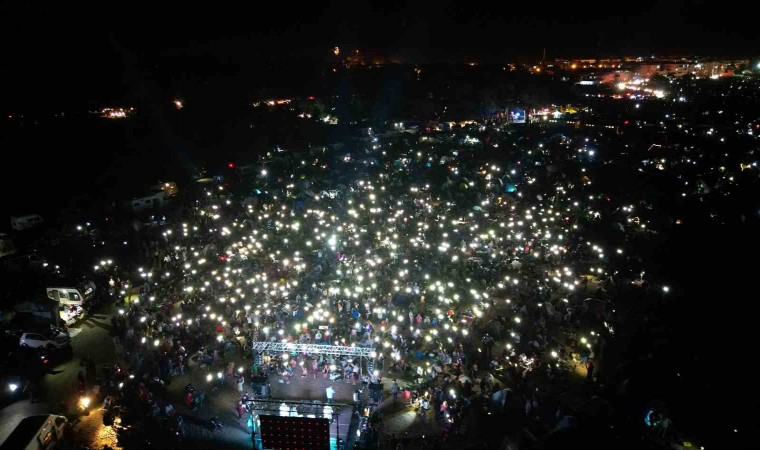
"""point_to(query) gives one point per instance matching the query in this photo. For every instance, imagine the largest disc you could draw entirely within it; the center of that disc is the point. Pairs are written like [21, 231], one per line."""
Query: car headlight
[12, 387]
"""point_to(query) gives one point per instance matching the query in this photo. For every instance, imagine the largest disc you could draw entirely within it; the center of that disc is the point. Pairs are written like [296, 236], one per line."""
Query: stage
[306, 413]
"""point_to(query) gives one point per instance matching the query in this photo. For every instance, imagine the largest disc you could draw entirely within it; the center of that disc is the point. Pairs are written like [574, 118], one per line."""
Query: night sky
[54, 46]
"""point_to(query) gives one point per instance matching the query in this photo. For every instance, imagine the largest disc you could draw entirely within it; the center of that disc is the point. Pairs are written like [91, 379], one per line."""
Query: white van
[71, 295]
[43, 432]
[72, 300]
[152, 201]
[19, 223]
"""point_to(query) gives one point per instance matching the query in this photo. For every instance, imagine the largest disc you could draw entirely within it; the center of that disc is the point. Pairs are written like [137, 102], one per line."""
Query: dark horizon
[60, 41]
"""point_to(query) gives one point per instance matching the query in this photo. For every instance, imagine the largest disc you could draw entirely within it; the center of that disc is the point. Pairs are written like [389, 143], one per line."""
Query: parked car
[50, 339]
[18, 369]
[28, 261]
[38, 432]
[11, 380]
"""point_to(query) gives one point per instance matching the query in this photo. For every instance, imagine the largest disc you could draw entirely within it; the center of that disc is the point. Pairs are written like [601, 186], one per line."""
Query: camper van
[79, 294]
[42, 432]
[72, 300]
[19, 223]
[153, 201]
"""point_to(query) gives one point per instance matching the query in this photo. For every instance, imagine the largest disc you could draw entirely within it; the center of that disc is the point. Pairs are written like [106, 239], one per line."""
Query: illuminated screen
[279, 432]
[517, 116]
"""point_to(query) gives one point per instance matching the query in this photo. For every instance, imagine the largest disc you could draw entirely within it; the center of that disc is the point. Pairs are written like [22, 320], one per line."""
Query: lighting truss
[332, 350]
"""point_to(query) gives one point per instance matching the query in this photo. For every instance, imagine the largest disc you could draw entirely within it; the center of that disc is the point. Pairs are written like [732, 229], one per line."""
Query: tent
[500, 399]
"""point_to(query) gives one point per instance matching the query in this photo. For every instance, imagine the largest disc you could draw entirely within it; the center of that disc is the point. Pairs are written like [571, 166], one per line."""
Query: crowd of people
[472, 281]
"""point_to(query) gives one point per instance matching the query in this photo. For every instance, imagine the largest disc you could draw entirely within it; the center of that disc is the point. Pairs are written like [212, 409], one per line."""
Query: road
[90, 338]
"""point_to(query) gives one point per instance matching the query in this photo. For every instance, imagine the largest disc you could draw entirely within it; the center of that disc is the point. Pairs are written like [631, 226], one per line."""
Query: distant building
[620, 70]
[616, 76]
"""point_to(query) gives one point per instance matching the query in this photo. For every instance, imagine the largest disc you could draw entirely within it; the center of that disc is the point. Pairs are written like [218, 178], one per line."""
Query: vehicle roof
[20, 255]
[25, 216]
[42, 333]
[24, 432]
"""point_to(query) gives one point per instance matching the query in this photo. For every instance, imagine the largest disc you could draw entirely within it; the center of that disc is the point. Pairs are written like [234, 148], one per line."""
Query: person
[664, 425]
[240, 410]
[250, 424]
[29, 388]
[189, 400]
[394, 390]
[424, 406]
[347, 370]
[589, 371]
[330, 392]
[80, 383]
